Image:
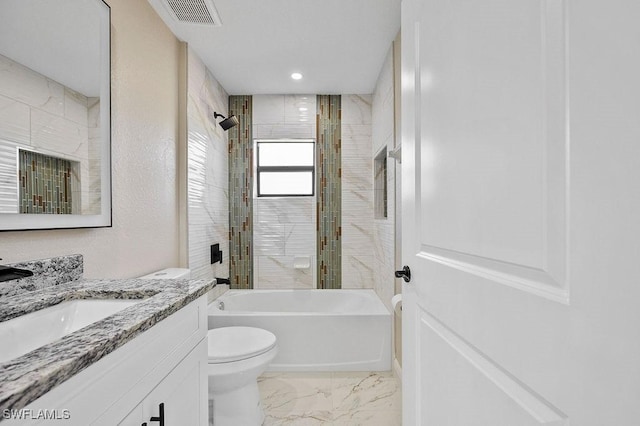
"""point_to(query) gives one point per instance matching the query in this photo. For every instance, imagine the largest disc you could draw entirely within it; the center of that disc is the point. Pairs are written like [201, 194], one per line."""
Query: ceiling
[339, 46]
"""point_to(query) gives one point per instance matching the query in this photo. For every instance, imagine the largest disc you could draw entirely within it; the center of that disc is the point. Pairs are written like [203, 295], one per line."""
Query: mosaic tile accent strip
[329, 191]
[46, 183]
[241, 194]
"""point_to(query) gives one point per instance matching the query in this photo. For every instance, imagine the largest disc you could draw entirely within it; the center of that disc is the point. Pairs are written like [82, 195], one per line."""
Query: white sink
[28, 332]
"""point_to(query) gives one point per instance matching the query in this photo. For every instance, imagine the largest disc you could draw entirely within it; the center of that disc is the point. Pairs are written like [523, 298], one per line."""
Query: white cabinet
[179, 393]
[165, 364]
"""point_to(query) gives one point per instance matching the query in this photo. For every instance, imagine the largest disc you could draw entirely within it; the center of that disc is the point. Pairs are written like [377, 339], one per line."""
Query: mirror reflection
[54, 112]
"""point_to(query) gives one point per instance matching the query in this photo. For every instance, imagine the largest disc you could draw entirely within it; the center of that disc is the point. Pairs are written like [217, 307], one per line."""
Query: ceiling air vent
[194, 12]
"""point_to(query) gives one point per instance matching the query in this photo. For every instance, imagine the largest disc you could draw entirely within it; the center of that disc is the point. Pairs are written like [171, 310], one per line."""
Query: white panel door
[521, 212]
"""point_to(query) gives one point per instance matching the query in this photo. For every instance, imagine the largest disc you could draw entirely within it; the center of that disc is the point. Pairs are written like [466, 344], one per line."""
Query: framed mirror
[55, 114]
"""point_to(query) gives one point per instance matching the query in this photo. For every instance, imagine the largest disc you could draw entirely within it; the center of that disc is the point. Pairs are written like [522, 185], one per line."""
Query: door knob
[404, 273]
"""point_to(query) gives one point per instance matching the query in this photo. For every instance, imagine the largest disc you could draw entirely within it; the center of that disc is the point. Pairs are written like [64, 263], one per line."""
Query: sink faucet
[9, 273]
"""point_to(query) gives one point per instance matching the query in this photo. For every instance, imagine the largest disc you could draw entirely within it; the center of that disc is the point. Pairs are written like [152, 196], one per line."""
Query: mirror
[55, 114]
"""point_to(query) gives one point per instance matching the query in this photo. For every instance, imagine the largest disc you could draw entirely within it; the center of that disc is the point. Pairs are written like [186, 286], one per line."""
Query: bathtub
[317, 330]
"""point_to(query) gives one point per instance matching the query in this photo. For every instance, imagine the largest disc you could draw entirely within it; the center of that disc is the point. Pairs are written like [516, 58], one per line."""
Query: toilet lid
[228, 344]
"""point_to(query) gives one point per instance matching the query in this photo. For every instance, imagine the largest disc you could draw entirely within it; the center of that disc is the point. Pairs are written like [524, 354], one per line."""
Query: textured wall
[384, 230]
[284, 227]
[144, 236]
[208, 179]
[383, 137]
[357, 193]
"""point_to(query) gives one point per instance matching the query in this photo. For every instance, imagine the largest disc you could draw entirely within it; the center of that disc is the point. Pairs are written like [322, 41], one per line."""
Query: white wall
[386, 237]
[284, 227]
[357, 193]
[383, 136]
[144, 111]
[208, 172]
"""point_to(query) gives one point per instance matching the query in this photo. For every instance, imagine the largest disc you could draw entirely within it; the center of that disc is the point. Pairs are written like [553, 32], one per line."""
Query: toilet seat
[228, 344]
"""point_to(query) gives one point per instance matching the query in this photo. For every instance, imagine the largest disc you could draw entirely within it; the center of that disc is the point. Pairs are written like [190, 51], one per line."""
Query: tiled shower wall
[207, 181]
[383, 137]
[40, 114]
[358, 256]
[286, 227]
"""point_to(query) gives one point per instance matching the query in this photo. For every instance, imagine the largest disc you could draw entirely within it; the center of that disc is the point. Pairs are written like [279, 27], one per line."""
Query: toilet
[168, 274]
[237, 356]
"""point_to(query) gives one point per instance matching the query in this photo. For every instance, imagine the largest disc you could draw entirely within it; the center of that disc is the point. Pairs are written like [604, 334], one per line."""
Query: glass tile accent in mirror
[46, 183]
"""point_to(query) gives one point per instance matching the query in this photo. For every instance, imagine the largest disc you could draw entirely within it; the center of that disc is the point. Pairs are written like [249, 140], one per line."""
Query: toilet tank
[169, 274]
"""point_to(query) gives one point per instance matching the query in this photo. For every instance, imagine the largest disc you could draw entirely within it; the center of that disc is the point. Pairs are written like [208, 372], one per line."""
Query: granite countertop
[24, 379]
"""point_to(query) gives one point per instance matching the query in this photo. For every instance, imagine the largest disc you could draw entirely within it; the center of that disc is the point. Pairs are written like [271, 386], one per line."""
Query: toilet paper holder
[396, 303]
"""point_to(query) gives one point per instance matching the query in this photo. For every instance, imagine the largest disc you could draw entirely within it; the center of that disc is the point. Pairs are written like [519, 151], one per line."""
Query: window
[285, 168]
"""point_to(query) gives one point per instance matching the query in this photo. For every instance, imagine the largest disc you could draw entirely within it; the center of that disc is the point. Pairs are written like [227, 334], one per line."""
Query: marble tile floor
[332, 398]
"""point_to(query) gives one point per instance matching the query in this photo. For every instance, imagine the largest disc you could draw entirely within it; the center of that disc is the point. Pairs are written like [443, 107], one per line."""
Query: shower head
[227, 123]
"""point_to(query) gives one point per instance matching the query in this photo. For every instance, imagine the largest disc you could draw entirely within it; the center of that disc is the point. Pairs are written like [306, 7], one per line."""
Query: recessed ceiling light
[303, 109]
[296, 76]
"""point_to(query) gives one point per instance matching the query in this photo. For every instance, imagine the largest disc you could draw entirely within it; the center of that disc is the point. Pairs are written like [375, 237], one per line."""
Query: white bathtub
[317, 330]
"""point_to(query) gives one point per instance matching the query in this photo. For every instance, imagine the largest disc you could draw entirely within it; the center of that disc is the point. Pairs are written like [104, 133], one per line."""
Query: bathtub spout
[223, 281]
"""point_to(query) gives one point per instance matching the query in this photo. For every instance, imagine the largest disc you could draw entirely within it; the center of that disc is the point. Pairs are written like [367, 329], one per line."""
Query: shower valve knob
[404, 273]
[160, 417]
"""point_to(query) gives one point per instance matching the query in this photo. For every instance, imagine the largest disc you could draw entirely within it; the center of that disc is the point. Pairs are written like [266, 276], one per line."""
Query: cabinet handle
[159, 418]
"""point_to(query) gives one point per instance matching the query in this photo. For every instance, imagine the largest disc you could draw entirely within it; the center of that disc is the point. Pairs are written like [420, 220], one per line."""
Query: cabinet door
[183, 392]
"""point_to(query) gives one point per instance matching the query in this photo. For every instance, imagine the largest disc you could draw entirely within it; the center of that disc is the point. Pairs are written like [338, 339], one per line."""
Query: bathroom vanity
[144, 363]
